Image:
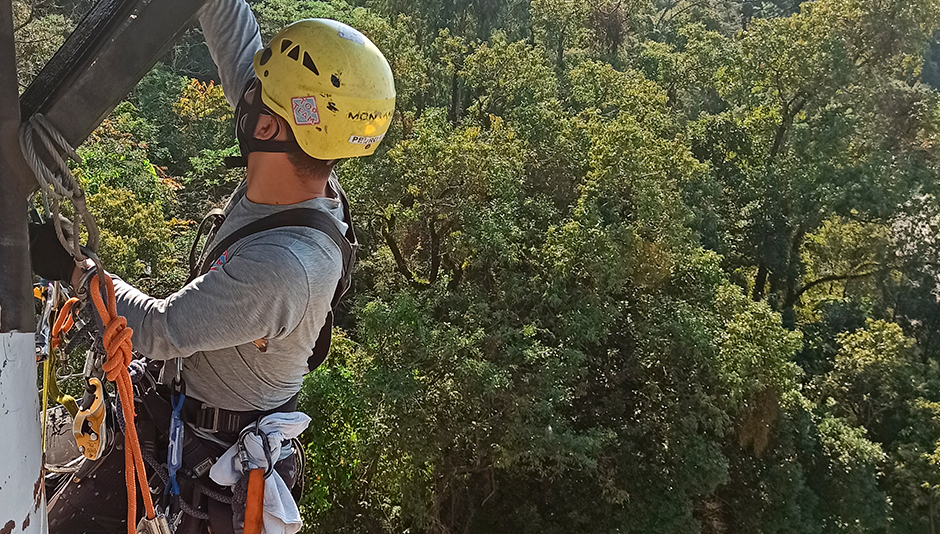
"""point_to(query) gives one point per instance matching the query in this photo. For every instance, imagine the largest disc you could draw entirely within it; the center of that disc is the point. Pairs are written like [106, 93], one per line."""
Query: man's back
[276, 285]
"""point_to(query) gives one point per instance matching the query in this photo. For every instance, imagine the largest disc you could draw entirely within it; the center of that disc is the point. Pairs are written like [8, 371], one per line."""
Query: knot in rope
[117, 335]
[118, 346]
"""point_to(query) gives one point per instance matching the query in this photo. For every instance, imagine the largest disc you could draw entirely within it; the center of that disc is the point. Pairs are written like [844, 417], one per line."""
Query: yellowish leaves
[200, 100]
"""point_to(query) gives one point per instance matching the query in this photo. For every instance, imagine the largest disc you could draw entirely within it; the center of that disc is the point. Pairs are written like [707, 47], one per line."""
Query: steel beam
[112, 48]
[22, 492]
[16, 180]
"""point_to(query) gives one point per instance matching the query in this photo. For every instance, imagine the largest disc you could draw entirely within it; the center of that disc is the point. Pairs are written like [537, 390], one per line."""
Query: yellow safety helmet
[331, 84]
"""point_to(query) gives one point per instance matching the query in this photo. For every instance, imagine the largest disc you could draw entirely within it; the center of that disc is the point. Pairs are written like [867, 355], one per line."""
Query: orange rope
[254, 507]
[118, 346]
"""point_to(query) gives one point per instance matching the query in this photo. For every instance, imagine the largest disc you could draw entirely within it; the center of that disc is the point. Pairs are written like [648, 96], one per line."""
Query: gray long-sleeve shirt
[276, 285]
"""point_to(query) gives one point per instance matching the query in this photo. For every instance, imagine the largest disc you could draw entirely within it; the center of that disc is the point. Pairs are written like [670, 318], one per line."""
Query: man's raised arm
[233, 37]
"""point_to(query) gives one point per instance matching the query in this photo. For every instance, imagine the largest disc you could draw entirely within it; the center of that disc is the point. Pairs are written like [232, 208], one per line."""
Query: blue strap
[174, 454]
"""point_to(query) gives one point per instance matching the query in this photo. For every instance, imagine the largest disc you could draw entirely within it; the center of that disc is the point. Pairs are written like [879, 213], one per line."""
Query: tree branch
[760, 282]
[435, 250]
[29, 18]
[831, 278]
[396, 252]
[790, 110]
[673, 15]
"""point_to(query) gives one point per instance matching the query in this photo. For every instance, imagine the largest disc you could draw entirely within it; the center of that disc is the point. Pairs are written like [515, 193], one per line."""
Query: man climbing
[237, 338]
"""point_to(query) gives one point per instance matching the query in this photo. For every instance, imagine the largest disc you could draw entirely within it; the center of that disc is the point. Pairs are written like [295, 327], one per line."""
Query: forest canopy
[627, 266]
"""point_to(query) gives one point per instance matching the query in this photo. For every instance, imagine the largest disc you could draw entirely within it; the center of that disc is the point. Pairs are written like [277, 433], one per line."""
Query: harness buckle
[213, 425]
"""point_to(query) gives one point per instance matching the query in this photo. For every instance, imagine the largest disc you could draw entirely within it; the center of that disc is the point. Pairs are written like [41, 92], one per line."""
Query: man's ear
[267, 127]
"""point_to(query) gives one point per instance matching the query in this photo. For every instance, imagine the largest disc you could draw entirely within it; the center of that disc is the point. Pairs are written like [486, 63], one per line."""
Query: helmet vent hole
[335, 80]
[266, 55]
[308, 62]
[285, 44]
[294, 53]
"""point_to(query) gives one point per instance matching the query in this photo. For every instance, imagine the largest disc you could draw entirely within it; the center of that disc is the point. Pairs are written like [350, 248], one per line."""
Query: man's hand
[49, 258]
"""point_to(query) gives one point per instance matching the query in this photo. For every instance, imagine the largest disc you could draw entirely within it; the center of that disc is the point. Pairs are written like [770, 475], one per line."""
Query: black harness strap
[309, 218]
[303, 217]
[209, 225]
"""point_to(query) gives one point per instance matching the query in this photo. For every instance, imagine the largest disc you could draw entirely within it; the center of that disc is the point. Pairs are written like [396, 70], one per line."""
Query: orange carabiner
[63, 322]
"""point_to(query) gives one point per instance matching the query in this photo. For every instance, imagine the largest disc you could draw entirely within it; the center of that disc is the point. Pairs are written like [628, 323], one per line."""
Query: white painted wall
[22, 496]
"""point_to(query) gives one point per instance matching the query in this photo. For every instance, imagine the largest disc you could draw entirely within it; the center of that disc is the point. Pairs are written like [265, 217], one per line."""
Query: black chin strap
[264, 145]
[249, 113]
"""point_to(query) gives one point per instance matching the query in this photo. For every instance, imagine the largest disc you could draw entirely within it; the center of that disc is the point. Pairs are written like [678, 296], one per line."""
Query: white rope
[58, 185]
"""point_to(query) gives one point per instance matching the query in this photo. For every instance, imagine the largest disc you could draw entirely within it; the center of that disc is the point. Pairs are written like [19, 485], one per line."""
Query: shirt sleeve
[233, 37]
[260, 292]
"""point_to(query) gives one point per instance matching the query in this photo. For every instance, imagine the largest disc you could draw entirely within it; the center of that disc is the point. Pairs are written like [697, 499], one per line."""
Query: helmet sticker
[305, 110]
[352, 34]
[359, 140]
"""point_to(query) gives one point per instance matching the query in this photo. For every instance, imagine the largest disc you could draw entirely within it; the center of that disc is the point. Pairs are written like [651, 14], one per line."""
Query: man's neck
[273, 180]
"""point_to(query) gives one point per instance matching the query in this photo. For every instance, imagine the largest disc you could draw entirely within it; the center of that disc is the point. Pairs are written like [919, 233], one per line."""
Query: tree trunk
[400, 262]
[793, 269]
[455, 98]
[435, 250]
[760, 282]
[930, 500]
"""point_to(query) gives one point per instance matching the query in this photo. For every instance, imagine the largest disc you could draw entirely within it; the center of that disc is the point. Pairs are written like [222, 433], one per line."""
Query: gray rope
[164, 475]
[58, 185]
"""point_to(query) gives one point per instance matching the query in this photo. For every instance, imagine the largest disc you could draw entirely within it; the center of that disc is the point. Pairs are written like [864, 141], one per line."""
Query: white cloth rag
[281, 515]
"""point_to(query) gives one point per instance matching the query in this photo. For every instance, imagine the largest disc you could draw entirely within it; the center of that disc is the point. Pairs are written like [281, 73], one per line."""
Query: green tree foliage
[810, 127]
[38, 31]
[129, 198]
[658, 266]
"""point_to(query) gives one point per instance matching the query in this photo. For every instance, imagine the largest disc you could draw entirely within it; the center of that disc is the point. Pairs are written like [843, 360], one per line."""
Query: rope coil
[120, 349]
[58, 185]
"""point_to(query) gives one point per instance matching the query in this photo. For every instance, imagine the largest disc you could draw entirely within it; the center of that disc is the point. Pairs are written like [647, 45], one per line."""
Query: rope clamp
[90, 425]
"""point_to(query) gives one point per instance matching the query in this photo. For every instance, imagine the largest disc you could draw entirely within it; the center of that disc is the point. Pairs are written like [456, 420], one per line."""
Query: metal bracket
[112, 48]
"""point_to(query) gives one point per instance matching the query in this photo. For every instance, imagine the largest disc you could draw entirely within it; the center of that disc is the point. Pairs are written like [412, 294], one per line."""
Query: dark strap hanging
[209, 226]
[310, 218]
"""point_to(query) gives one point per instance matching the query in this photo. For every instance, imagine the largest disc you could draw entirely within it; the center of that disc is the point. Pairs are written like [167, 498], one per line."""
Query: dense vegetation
[646, 266]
